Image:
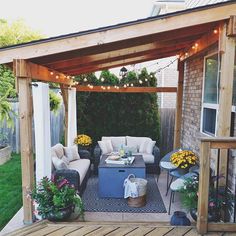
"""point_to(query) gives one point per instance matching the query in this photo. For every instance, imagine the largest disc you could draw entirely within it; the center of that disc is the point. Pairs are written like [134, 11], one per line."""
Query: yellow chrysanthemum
[83, 140]
[183, 158]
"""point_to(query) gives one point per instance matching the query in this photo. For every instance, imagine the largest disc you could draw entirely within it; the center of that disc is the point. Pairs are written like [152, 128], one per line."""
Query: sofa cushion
[58, 149]
[129, 148]
[136, 141]
[150, 146]
[148, 158]
[82, 166]
[116, 142]
[72, 153]
[105, 146]
[58, 163]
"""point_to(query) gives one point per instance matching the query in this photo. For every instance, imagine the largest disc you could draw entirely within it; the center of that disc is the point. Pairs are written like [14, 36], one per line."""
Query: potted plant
[184, 159]
[56, 199]
[220, 202]
[83, 141]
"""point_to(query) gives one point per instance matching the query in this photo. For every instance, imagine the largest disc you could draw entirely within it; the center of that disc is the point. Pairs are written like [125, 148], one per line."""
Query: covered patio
[187, 35]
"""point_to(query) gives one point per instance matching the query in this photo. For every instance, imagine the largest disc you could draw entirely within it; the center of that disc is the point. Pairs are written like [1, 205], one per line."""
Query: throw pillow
[59, 164]
[150, 146]
[72, 153]
[66, 160]
[105, 146]
[143, 146]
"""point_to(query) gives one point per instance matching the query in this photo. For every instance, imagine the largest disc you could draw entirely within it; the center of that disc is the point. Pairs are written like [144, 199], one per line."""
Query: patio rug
[93, 203]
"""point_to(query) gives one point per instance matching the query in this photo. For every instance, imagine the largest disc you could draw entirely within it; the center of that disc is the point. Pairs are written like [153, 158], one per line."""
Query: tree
[10, 34]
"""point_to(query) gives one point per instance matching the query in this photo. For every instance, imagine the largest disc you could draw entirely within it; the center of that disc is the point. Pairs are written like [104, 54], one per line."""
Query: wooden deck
[107, 228]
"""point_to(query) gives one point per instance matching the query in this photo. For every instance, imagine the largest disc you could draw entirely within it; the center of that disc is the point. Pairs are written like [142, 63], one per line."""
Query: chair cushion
[58, 163]
[150, 146]
[148, 158]
[116, 142]
[72, 153]
[105, 146]
[82, 166]
[58, 149]
[136, 141]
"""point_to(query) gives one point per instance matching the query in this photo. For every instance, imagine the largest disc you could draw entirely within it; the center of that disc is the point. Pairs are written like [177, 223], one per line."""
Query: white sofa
[138, 145]
[67, 163]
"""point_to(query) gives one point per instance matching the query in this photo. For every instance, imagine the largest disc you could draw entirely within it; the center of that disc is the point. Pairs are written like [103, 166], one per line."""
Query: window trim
[208, 105]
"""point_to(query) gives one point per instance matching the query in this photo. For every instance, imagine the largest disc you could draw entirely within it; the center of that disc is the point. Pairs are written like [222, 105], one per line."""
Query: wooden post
[27, 161]
[227, 48]
[179, 101]
[203, 189]
[64, 91]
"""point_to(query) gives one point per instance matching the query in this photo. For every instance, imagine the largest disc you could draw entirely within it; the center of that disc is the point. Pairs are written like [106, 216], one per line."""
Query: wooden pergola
[185, 34]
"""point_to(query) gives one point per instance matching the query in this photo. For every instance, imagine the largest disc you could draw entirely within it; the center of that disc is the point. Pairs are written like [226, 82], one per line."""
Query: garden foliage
[116, 114]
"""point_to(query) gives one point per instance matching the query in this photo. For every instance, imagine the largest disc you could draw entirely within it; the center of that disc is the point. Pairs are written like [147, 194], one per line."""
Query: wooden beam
[122, 32]
[227, 48]
[112, 89]
[222, 227]
[64, 92]
[231, 29]
[203, 189]
[109, 65]
[180, 34]
[25, 69]
[123, 53]
[27, 161]
[179, 103]
[201, 44]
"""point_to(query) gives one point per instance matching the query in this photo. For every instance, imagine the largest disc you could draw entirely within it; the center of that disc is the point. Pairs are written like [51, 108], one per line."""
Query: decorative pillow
[150, 146]
[143, 146]
[136, 141]
[105, 146]
[72, 153]
[65, 159]
[59, 164]
[116, 141]
[58, 149]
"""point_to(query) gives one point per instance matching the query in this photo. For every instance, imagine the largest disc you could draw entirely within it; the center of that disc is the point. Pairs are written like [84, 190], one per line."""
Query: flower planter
[61, 215]
[5, 154]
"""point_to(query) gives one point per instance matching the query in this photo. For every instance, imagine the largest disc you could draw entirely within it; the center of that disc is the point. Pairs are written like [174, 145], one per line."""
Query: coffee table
[111, 176]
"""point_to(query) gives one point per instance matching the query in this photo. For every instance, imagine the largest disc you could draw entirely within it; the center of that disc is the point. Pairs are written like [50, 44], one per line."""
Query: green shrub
[116, 114]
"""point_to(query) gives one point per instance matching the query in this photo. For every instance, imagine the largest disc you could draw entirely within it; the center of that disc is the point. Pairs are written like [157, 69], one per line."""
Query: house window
[210, 95]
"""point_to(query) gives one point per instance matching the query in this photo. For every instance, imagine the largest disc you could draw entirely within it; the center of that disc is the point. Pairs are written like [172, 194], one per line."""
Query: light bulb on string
[57, 76]
[85, 80]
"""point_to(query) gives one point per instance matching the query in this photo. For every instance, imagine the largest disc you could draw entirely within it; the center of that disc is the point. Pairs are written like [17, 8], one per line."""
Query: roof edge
[139, 21]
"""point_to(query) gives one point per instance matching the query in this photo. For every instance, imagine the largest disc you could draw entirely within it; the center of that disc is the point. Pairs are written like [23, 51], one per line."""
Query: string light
[51, 73]
[215, 31]
[57, 76]
[102, 79]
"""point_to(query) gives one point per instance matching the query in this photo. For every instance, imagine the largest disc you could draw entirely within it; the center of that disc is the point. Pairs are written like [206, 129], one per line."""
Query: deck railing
[221, 168]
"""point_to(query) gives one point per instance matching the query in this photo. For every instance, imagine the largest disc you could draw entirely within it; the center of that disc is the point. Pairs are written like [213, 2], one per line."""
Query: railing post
[203, 189]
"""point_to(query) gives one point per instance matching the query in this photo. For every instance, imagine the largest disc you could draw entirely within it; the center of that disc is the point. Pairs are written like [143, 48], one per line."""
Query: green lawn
[10, 189]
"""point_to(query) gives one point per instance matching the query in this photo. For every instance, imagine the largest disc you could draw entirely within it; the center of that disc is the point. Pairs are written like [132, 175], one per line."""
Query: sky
[57, 17]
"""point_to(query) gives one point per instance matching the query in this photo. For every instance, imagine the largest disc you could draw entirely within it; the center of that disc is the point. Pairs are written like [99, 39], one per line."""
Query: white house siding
[197, 3]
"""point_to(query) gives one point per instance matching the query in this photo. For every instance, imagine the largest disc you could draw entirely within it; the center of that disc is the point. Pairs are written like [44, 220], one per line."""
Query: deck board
[158, 231]
[63, 231]
[84, 230]
[109, 229]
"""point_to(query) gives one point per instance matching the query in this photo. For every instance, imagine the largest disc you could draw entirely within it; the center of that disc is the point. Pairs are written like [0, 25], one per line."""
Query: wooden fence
[167, 118]
[13, 135]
